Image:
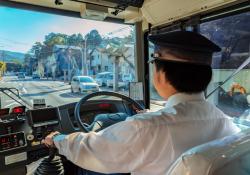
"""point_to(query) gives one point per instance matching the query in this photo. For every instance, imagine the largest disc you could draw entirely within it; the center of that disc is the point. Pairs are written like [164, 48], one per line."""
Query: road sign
[39, 103]
[136, 90]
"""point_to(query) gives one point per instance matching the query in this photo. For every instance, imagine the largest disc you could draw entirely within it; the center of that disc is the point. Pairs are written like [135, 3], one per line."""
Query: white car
[84, 84]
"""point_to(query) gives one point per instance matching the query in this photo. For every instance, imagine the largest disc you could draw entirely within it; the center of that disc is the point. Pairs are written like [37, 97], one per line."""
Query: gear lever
[51, 165]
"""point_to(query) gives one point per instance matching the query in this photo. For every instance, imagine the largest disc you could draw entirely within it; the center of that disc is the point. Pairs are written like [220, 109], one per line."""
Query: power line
[14, 41]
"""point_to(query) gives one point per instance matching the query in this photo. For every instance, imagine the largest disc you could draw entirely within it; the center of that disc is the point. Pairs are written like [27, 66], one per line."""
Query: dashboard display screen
[44, 116]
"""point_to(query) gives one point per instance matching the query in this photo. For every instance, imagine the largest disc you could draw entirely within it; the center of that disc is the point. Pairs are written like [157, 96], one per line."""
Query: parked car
[35, 76]
[102, 78]
[83, 84]
[20, 75]
[121, 84]
[127, 78]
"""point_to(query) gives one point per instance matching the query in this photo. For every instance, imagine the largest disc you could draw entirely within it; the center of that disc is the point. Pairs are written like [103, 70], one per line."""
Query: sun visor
[159, 12]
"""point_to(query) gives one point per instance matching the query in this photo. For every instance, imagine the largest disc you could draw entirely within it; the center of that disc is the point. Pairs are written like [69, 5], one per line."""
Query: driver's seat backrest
[227, 156]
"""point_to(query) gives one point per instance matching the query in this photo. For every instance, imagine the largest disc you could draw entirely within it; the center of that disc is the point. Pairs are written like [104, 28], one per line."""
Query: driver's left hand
[48, 141]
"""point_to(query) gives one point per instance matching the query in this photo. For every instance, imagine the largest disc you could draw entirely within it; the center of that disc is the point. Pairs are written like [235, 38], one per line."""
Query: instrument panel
[21, 133]
[87, 116]
[12, 141]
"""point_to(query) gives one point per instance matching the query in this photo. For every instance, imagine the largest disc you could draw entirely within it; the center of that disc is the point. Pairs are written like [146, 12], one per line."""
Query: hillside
[9, 56]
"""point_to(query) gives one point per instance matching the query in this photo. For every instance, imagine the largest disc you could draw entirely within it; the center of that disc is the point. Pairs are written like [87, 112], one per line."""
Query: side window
[233, 36]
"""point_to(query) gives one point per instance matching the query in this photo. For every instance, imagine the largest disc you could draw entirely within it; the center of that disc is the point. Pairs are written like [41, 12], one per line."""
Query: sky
[20, 29]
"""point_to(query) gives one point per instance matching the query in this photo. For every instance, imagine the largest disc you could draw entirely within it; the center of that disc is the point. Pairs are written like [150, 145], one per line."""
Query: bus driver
[149, 143]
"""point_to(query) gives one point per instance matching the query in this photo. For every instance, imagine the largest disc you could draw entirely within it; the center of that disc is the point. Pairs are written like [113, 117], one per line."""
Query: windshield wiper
[244, 64]
[17, 95]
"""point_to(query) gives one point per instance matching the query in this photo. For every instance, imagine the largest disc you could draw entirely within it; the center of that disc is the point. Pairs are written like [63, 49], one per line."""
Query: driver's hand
[142, 111]
[48, 141]
[139, 111]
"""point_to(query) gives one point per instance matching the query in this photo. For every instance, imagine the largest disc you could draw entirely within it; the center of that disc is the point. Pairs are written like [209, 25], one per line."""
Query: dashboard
[21, 132]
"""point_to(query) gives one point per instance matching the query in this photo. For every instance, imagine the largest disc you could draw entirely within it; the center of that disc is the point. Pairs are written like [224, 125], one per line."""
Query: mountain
[9, 56]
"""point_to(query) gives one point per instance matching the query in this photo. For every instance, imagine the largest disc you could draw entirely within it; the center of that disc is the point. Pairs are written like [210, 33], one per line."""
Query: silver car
[84, 84]
[103, 77]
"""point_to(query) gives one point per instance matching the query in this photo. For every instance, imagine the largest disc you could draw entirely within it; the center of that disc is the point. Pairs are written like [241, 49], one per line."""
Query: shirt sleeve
[116, 149]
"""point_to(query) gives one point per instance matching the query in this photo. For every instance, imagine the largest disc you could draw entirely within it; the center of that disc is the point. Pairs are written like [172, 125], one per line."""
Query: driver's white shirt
[147, 144]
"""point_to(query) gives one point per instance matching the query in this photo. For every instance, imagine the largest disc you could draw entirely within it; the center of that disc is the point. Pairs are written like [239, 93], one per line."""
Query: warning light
[104, 105]
[18, 110]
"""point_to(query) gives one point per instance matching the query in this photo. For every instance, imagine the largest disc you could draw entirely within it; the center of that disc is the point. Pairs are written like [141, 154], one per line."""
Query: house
[100, 62]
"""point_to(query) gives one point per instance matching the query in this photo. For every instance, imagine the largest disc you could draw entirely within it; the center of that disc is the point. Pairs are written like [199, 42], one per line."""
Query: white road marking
[24, 91]
[71, 95]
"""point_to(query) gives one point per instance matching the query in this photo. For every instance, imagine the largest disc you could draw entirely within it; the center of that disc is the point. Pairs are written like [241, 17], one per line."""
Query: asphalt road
[55, 93]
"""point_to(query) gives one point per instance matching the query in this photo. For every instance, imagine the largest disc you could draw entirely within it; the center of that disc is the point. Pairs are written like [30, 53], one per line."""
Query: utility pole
[85, 57]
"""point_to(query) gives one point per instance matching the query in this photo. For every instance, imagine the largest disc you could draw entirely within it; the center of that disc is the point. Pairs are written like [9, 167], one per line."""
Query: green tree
[94, 39]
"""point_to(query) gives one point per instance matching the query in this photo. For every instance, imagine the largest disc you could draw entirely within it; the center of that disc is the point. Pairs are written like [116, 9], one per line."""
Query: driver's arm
[116, 149]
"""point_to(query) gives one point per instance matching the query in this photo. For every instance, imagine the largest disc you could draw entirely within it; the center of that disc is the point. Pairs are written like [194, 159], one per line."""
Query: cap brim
[184, 40]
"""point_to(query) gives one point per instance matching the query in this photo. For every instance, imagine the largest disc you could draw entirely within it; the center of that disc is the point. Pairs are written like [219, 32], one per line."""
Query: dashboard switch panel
[12, 141]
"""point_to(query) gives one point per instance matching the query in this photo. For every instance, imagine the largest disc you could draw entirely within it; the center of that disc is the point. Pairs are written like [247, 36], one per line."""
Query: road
[55, 93]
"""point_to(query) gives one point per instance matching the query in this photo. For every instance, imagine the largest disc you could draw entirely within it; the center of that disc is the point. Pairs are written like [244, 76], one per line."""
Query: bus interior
[82, 65]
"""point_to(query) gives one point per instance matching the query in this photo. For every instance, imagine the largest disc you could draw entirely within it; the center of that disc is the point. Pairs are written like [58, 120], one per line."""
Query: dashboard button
[30, 137]
[21, 142]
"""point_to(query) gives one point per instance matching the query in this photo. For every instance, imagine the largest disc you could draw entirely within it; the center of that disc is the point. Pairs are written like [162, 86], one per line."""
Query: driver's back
[187, 121]
[147, 144]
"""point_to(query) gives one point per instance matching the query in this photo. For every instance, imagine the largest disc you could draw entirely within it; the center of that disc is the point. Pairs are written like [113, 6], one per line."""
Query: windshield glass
[86, 80]
[40, 54]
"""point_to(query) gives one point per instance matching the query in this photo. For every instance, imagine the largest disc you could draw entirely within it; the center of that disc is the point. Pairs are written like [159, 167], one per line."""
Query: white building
[103, 62]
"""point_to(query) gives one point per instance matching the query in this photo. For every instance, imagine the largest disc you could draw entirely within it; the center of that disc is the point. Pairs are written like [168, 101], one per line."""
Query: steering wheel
[101, 93]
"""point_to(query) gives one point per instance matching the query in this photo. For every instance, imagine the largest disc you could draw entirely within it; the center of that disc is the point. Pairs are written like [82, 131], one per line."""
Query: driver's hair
[185, 77]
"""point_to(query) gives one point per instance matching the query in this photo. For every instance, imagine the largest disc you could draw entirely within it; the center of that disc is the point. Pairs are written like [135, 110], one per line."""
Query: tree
[122, 44]
[93, 39]
[14, 67]
[117, 52]
[2, 68]
[75, 40]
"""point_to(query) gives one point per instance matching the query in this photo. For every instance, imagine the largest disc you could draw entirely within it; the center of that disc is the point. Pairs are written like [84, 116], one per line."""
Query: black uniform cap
[186, 41]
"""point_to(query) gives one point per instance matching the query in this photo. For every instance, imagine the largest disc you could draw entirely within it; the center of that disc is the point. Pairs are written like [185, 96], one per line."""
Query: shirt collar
[182, 97]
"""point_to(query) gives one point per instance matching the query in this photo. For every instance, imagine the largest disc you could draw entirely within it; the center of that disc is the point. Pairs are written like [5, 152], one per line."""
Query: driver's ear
[162, 77]
[157, 75]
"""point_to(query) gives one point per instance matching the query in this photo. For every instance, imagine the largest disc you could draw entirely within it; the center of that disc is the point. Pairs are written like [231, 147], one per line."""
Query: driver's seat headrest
[227, 156]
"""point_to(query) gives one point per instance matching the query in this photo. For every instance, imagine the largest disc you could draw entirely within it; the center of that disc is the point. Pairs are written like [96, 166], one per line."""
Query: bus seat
[227, 156]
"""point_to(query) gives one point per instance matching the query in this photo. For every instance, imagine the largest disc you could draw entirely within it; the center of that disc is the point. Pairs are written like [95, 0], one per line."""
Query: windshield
[40, 55]
[86, 80]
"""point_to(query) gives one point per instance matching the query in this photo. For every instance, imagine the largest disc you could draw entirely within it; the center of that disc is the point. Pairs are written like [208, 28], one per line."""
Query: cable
[51, 165]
